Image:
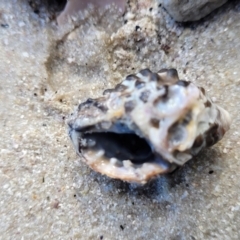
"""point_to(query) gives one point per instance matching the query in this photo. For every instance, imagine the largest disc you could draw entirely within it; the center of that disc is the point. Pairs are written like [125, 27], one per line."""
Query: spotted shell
[147, 125]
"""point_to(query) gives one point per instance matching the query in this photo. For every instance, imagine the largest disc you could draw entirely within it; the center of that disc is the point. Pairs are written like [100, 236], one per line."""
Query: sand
[47, 70]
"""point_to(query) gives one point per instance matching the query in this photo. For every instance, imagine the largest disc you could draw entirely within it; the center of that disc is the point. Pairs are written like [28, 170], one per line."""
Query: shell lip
[119, 155]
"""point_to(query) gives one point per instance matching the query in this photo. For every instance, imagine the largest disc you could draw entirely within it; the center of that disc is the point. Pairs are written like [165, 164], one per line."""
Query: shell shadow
[159, 188]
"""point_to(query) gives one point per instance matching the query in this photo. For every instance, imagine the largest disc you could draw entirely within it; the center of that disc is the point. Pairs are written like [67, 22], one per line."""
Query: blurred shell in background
[74, 6]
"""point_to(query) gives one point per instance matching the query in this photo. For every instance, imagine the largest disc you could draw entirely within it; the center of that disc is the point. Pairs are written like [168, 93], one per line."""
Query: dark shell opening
[125, 146]
[118, 141]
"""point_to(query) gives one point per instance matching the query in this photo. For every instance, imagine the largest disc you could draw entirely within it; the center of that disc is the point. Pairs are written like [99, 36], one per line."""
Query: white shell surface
[175, 117]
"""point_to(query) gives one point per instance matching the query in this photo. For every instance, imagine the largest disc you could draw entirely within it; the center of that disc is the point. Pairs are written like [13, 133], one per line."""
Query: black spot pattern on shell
[120, 88]
[106, 91]
[139, 84]
[198, 141]
[212, 135]
[208, 103]
[162, 70]
[183, 83]
[168, 76]
[100, 106]
[144, 96]
[162, 98]
[155, 77]
[92, 102]
[155, 122]
[176, 132]
[172, 73]
[187, 119]
[131, 77]
[129, 106]
[145, 72]
[202, 90]
[85, 104]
